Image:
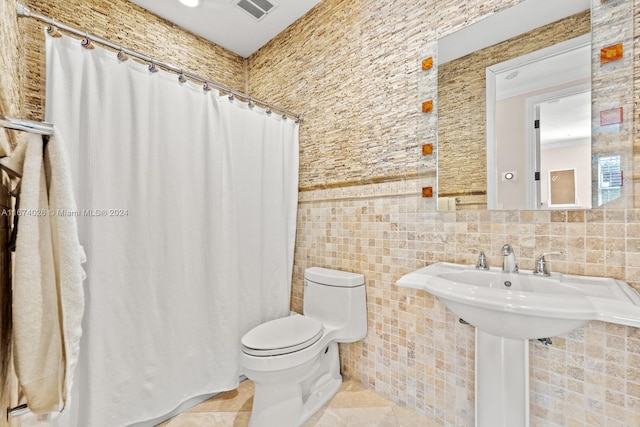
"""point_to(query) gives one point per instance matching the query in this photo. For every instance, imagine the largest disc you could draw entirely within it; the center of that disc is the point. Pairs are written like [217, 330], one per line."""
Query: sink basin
[523, 305]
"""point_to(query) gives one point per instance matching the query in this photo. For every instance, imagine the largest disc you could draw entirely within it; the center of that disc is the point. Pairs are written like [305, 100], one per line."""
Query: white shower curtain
[187, 211]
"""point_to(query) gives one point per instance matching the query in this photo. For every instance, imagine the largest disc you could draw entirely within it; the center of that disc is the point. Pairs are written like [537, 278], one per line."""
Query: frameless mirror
[515, 111]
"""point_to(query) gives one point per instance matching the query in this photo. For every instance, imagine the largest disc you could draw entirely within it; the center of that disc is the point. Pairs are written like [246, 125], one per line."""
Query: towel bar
[40, 128]
[17, 411]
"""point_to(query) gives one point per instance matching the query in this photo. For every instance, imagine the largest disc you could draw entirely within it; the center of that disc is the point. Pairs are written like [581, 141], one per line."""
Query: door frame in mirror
[490, 99]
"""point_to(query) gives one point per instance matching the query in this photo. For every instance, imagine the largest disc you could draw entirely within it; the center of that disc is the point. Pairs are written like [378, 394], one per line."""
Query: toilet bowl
[294, 361]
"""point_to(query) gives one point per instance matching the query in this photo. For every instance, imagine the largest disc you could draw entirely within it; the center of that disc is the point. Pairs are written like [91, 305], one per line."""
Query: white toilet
[294, 361]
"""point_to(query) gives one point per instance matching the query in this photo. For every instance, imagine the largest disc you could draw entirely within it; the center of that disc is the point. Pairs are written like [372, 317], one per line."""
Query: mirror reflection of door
[550, 89]
[565, 144]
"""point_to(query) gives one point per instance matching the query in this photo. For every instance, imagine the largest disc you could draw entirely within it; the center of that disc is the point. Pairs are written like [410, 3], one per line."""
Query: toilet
[294, 361]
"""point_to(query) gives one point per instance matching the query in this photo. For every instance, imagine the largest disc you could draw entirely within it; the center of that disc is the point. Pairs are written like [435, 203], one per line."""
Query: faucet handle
[481, 264]
[541, 264]
[506, 250]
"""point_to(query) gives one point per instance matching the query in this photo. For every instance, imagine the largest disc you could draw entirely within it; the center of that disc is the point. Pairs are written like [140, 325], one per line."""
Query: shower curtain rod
[23, 11]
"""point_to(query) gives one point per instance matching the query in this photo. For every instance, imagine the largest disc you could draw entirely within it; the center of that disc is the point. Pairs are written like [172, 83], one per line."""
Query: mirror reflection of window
[609, 179]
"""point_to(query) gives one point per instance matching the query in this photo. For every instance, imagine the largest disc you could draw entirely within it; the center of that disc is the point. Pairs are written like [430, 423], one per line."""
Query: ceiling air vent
[256, 8]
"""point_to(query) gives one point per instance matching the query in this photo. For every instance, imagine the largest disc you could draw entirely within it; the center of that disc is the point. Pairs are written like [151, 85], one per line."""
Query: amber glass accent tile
[427, 106]
[611, 53]
[427, 149]
[427, 191]
[427, 63]
[611, 116]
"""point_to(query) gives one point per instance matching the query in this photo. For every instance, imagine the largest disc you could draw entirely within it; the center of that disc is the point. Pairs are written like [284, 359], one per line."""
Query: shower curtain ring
[181, 77]
[231, 97]
[121, 55]
[250, 104]
[269, 111]
[86, 42]
[152, 67]
[206, 87]
[284, 116]
[52, 30]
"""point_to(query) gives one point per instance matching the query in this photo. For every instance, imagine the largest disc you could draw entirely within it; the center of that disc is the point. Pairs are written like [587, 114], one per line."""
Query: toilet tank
[338, 300]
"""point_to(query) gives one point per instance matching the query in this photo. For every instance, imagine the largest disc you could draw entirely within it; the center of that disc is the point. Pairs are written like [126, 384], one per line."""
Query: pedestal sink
[508, 309]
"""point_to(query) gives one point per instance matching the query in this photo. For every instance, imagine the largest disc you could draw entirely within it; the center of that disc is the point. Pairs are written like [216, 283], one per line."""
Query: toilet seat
[282, 336]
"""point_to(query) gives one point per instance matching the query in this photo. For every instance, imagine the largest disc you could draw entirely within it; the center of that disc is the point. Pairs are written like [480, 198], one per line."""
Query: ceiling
[224, 23]
[565, 114]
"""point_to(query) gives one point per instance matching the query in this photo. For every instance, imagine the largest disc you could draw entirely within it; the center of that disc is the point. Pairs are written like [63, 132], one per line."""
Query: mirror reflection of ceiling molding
[559, 64]
[514, 21]
[565, 113]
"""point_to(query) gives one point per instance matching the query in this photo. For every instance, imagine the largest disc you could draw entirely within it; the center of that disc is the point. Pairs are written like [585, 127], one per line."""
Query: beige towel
[38, 350]
[13, 165]
[67, 253]
[48, 294]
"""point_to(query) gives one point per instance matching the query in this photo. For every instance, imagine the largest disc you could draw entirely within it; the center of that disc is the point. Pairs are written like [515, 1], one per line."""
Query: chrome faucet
[481, 264]
[541, 264]
[509, 264]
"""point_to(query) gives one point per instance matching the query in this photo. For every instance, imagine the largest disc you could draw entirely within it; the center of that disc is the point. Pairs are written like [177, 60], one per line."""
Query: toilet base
[280, 403]
[321, 395]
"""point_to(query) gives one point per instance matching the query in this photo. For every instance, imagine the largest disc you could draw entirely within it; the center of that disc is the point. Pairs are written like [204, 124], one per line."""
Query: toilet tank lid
[326, 276]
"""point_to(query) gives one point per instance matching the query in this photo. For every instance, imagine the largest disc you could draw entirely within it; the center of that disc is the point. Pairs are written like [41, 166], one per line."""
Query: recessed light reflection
[191, 3]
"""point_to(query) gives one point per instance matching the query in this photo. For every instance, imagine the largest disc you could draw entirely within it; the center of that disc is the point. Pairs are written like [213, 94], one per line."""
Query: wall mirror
[521, 93]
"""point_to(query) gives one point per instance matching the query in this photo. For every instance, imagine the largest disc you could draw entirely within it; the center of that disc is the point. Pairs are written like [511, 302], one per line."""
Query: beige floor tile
[408, 418]
[324, 418]
[206, 419]
[240, 399]
[353, 395]
[351, 385]
[354, 417]
[353, 406]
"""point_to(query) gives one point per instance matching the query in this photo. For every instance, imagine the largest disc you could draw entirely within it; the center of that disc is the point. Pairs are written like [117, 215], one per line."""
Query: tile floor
[353, 406]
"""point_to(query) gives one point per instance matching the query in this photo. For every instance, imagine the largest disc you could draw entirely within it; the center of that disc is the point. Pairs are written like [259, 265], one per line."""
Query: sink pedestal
[502, 381]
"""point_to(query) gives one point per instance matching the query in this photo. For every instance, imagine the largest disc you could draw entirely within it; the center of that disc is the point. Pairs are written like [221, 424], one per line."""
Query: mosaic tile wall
[351, 67]
[418, 354]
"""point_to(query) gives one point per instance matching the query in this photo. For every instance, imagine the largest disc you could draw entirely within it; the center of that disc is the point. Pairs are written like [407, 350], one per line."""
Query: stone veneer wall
[123, 22]
[351, 67]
